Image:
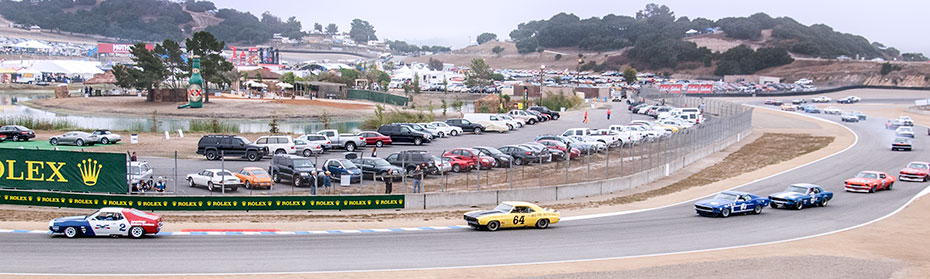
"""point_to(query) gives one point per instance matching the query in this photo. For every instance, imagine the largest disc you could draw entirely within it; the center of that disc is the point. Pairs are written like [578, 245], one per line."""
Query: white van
[692, 115]
[490, 118]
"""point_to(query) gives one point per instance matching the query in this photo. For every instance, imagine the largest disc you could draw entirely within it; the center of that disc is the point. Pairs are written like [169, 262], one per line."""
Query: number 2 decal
[517, 219]
[122, 227]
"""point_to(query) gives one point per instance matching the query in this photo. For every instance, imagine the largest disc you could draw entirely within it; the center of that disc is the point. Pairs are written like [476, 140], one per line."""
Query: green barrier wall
[376, 96]
[63, 170]
[195, 203]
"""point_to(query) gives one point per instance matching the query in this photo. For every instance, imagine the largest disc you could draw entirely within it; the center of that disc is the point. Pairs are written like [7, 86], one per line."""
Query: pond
[10, 107]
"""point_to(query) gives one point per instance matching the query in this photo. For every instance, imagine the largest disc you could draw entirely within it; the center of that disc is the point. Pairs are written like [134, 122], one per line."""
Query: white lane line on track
[617, 213]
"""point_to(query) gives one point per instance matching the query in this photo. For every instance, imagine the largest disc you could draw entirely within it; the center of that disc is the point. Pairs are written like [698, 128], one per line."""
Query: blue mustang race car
[799, 195]
[729, 202]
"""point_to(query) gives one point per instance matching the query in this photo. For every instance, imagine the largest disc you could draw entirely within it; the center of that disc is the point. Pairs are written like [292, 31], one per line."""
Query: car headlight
[304, 174]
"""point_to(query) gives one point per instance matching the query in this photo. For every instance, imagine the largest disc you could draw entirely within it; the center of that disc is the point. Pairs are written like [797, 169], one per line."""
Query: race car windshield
[726, 197]
[867, 175]
[503, 208]
[797, 189]
[901, 140]
[918, 166]
[224, 173]
[136, 170]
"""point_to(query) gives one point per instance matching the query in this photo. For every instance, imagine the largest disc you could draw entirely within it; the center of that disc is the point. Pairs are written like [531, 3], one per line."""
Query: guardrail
[201, 203]
[807, 93]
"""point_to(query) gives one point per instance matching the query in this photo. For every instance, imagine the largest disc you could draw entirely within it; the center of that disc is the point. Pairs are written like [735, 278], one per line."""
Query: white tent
[32, 45]
[691, 32]
[255, 84]
[284, 85]
[67, 67]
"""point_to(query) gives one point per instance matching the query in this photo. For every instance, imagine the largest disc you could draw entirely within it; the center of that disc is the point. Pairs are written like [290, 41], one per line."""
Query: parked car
[869, 182]
[213, 178]
[465, 125]
[343, 167]
[276, 144]
[901, 144]
[349, 142]
[409, 159]
[458, 164]
[214, 147]
[106, 137]
[539, 116]
[252, 178]
[138, 172]
[915, 171]
[556, 145]
[77, 138]
[108, 221]
[513, 121]
[490, 121]
[522, 155]
[452, 130]
[546, 154]
[472, 156]
[589, 144]
[522, 115]
[377, 167]
[375, 138]
[555, 115]
[403, 133]
[317, 139]
[307, 149]
[442, 131]
[821, 99]
[299, 170]
[503, 160]
[799, 195]
[17, 133]
[730, 202]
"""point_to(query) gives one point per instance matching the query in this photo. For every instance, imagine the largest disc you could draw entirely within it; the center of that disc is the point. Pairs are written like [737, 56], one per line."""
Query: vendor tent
[67, 67]
[284, 85]
[32, 45]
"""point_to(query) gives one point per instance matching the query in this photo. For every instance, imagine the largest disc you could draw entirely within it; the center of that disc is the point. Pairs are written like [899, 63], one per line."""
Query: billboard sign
[63, 171]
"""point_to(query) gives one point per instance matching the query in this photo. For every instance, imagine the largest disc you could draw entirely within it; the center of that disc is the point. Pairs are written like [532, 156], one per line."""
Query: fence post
[607, 161]
[175, 172]
[222, 171]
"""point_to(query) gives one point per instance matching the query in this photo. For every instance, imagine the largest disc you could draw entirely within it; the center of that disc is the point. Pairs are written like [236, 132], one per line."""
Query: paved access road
[573, 119]
[670, 229]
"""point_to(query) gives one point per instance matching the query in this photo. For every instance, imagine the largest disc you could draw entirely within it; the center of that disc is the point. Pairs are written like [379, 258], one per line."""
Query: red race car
[915, 171]
[552, 144]
[472, 156]
[375, 138]
[869, 182]
[458, 165]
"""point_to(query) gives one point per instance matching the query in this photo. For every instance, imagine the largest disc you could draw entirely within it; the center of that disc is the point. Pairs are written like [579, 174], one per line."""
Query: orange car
[254, 177]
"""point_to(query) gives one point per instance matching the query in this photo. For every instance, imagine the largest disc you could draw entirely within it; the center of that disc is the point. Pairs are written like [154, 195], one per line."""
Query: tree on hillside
[743, 60]
[629, 75]
[480, 73]
[497, 50]
[198, 6]
[435, 64]
[332, 29]
[147, 74]
[527, 45]
[318, 27]
[362, 31]
[914, 56]
[212, 65]
[486, 37]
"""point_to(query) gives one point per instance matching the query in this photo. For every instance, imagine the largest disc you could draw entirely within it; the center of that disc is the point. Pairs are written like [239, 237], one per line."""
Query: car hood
[860, 180]
[787, 195]
[912, 170]
[70, 218]
[479, 213]
[713, 202]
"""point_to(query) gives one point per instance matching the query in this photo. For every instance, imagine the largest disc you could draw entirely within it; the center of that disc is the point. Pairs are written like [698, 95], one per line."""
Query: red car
[374, 138]
[915, 171]
[459, 165]
[552, 144]
[472, 156]
[869, 182]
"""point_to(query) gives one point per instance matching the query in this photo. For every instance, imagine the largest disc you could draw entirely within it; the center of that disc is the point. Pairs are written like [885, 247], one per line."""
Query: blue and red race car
[108, 221]
[731, 202]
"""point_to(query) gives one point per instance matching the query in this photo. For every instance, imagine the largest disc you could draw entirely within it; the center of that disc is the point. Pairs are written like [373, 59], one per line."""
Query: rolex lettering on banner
[63, 171]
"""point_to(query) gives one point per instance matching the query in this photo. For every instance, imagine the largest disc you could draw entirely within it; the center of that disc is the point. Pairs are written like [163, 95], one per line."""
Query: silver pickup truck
[347, 141]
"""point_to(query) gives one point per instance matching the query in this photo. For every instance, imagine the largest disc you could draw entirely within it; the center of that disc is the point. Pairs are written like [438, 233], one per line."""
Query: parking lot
[165, 167]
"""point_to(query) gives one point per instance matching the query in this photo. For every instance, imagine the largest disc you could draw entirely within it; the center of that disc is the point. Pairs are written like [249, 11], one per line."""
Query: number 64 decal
[517, 219]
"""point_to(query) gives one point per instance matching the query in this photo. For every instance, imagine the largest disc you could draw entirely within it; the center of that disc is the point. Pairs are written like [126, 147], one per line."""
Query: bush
[887, 68]
[395, 116]
[556, 101]
[38, 123]
[211, 126]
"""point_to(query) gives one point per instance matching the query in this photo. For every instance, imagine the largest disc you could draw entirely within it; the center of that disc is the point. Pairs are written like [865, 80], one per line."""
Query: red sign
[675, 88]
[707, 88]
[118, 48]
[665, 87]
[694, 88]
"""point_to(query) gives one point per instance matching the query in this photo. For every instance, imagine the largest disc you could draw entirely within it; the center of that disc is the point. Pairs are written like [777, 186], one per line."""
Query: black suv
[299, 170]
[214, 147]
[521, 154]
[551, 113]
[403, 133]
[409, 159]
[503, 160]
[17, 133]
[467, 126]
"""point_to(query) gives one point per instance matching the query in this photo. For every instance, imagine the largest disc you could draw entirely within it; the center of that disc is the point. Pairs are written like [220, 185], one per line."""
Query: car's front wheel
[252, 156]
[211, 155]
[725, 213]
[493, 225]
[136, 232]
[53, 141]
[478, 131]
[379, 143]
[823, 202]
[104, 141]
[350, 147]
[71, 232]
[417, 141]
[542, 223]
[308, 152]
[799, 205]
[210, 186]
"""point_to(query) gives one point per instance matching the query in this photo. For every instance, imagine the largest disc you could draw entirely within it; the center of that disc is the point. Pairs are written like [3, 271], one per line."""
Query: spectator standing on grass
[417, 179]
[388, 181]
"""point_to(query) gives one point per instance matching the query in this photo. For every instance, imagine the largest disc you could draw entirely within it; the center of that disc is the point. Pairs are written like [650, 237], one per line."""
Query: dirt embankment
[843, 73]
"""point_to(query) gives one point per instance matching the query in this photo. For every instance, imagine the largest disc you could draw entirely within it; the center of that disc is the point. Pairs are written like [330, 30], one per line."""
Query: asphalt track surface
[670, 229]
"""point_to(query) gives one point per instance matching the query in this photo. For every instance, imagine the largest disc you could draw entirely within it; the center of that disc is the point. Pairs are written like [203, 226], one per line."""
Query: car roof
[252, 168]
[216, 170]
[807, 185]
[112, 209]
[736, 192]
[519, 203]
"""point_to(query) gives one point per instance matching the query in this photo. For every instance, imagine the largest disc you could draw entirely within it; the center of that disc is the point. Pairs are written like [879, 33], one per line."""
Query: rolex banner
[200, 203]
[63, 171]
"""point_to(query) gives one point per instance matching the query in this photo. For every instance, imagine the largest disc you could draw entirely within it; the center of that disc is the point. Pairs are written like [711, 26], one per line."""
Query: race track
[666, 230]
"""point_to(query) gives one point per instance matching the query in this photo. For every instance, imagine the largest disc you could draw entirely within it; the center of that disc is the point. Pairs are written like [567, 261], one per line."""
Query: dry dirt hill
[842, 73]
[511, 59]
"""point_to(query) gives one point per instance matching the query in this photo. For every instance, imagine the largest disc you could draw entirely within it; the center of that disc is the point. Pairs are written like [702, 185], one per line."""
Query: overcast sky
[897, 23]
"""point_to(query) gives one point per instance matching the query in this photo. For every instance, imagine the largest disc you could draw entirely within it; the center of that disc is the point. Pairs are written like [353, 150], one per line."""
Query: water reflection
[9, 106]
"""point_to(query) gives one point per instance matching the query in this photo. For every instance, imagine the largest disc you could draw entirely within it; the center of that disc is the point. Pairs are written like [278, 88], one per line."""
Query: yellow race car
[510, 214]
